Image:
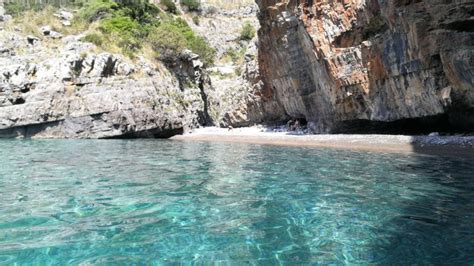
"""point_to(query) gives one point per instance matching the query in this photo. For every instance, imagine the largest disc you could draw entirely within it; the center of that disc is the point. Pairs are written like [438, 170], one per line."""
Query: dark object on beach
[296, 124]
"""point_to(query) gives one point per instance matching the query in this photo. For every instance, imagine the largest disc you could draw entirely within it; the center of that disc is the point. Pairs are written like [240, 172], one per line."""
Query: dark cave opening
[453, 122]
[166, 134]
[151, 134]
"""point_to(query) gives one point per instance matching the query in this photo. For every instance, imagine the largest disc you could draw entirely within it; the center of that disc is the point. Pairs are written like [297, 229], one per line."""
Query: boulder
[32, 40]
[64, 15]
[48, 32]
[5, 18]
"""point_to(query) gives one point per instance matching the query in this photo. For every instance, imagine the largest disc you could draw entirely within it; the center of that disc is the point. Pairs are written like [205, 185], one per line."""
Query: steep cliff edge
[235, 78]
[369, 65]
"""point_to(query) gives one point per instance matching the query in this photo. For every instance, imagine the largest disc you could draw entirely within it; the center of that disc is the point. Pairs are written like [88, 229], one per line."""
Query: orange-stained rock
[337, 61]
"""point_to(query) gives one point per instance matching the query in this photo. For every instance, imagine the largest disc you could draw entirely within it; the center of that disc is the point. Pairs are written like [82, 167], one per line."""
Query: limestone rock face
[233, 97]
[235, 100]
[55, 86]
[335, 63]
[71, 92]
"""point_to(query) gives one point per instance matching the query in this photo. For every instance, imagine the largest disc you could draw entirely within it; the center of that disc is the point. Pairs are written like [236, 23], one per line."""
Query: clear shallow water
[165, 202]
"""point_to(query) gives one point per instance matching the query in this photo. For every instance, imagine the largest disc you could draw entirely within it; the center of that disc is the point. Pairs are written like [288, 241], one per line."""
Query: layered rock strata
[70, 91]
[349, 65]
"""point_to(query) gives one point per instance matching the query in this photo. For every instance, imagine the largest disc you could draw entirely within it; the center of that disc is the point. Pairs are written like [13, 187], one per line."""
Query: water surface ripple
[168, 202]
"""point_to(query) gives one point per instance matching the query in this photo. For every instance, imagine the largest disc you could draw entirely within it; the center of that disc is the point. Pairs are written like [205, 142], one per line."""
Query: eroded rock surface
[342, 63]
[66, 90]
[55, 86]
[340, 66]
[234, 96]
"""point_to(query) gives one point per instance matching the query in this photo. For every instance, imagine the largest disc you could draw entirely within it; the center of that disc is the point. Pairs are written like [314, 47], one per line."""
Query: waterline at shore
[445, 145]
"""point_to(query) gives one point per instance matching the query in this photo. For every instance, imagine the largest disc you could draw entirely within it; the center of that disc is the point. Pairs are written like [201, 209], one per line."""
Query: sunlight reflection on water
[154, 201]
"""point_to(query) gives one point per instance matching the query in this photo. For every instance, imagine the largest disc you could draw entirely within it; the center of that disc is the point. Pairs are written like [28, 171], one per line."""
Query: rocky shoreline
[352, 67]
[434, 144]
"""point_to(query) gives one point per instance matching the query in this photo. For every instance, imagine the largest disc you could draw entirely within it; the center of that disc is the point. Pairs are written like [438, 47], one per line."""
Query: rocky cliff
[55, 86]
[235, 99]
[369, 65]
[341, 66]
[63, 89]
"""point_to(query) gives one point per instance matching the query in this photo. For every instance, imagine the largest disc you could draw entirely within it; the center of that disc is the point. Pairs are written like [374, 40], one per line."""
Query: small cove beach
[449, 145]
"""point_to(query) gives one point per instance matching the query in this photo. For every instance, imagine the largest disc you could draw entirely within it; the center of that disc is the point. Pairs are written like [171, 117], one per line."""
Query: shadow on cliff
[453, 121]
[434, 222]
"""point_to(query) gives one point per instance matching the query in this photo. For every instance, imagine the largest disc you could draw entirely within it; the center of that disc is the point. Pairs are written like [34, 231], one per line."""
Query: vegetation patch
[191, 5]
[129, 27]
[13, 9]
[235, 56]
[171, 37]
[196, 20]
[94, 38]
[248, 32]
[169, 6]
[95, 10]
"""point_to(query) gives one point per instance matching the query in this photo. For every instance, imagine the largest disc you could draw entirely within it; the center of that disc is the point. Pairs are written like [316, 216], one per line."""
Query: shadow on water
[436, 224]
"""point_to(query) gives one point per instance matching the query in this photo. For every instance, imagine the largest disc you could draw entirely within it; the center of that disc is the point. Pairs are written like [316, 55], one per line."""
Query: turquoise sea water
[166, 202]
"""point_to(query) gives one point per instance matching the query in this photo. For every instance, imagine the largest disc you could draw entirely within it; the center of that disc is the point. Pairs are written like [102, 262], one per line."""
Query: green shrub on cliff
[14, 9]
[167, 41]
[120, 25]
[195, 43]
[124, 26]
[96, 9]
[170, 6]
[142, 11]
[248, 32]
[192, 5]
[94, 38]
[171, 37]
[200, 46]
[125, 31]
[236, 56]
